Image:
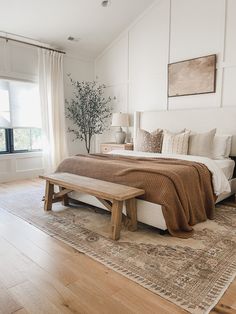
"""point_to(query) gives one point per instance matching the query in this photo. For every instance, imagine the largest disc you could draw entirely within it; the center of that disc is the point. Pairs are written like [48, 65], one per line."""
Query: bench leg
[131, 211]
[49, 191]
[116, 218]
[65, 200]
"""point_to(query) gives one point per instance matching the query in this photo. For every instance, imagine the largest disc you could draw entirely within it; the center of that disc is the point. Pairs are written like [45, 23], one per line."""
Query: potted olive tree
[89, 110]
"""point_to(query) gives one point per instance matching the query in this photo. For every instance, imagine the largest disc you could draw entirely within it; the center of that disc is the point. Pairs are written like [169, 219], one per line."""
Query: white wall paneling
[148, 57]
[112, 70]
[112, 66]
[230, 39]
[20, 166]
[170, 31]
[229, 64]
[28, 163]
[5, 166]
[197, 29]
[229, 79]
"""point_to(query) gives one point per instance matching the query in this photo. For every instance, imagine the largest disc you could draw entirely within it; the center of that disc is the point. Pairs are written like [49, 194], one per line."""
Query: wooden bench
[111, 195]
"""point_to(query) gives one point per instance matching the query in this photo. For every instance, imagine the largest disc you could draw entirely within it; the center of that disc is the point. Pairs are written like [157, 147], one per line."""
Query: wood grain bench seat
[111, 195]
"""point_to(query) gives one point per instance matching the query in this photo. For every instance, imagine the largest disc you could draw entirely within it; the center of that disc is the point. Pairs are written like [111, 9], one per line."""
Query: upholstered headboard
[199, 120]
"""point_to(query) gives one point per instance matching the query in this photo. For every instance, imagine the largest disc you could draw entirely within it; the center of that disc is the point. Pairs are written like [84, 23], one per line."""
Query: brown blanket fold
[183, 188]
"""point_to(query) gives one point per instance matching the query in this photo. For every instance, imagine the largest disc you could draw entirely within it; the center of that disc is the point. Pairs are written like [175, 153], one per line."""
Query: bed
[196, 120]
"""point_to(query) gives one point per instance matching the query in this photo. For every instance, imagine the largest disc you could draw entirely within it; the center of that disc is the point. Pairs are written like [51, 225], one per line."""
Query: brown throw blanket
[183, 188]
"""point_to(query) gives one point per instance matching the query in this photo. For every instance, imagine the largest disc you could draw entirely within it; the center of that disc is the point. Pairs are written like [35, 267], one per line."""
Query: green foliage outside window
[28, 139]
[2, 140]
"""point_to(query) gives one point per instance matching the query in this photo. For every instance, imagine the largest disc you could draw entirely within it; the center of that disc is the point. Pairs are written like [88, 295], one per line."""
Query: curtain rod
[26, 43]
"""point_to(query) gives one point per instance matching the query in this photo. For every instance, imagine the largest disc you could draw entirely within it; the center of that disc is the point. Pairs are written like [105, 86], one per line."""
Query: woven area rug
[192, 273]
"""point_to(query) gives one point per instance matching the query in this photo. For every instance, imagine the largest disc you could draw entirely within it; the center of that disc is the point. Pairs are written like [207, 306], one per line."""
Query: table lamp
[121, 120]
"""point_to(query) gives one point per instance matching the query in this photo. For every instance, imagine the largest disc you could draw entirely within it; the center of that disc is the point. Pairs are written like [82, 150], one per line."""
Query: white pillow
[228, 146]
[175, 143]
[201, 144]
[221, 146]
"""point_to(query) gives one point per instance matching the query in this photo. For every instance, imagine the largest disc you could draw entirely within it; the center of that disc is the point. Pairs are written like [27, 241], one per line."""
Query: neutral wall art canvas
[191, 77]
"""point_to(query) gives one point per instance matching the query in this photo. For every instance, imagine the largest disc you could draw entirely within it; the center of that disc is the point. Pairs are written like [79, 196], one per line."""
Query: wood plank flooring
[41, 275]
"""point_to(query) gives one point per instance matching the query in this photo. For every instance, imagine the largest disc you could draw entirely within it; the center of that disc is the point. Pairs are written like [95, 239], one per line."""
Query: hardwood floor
[39, 274]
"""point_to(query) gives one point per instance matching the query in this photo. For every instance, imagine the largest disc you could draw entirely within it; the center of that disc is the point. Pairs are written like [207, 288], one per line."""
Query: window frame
[9, 132]
[9, 136]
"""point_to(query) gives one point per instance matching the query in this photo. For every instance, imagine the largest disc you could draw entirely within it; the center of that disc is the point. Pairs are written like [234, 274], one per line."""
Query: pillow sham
[201, 144]
[228, 146]
[175, 143]
[149, 142]
[221, 146]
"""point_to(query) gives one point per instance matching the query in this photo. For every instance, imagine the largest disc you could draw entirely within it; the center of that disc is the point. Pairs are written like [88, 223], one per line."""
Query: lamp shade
[120, 119]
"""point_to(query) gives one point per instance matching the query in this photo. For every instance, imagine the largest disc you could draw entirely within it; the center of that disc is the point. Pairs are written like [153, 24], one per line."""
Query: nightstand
[108, 147]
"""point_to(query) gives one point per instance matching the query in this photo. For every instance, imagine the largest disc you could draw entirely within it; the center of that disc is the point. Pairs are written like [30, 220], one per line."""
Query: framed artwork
[192, 77]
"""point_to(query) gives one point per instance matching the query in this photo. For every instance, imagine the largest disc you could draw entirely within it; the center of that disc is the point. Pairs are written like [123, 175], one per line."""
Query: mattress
[227, 166]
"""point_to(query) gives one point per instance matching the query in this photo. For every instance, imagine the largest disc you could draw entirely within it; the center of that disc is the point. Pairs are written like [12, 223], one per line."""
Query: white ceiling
[52, 21]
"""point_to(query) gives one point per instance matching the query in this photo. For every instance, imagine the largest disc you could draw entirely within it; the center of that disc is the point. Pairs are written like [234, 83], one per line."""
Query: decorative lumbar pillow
[149, 142]
[221, 146]
[175, 143]
[201, 144]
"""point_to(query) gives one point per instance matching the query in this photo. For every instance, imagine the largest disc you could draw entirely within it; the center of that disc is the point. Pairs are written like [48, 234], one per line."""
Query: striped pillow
[175, 143]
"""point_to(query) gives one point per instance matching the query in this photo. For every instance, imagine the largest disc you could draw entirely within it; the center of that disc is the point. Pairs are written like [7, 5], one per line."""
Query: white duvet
[220, 183]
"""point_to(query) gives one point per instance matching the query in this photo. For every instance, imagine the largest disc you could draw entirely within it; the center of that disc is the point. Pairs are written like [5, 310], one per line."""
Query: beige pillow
[201, 144]
[221, 146]
[149, 142]
[175, 143]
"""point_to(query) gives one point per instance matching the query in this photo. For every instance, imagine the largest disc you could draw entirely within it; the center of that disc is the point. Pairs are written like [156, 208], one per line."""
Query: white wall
[20, 62]
[135, 65]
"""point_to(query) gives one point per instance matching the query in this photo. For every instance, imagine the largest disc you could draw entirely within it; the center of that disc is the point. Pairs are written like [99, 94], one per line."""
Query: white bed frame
[199, 120]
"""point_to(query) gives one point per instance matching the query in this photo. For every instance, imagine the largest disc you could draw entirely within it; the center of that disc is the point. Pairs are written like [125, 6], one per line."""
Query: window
[20, 117]
[3, 142]
[27, 139]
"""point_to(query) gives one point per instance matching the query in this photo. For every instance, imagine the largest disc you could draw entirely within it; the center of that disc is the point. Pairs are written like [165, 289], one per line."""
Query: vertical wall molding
[224, 30]
[169, 51]
[226, 5]
[128, 74]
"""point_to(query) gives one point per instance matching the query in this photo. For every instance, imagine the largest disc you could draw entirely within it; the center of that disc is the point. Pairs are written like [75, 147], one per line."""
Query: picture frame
[192, 77]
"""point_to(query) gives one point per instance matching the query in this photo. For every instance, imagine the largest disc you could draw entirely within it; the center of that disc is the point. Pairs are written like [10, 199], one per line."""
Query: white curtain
[51, 90]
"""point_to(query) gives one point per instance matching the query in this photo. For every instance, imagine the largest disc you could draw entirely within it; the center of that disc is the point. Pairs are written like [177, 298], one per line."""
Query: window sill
[21, 155]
